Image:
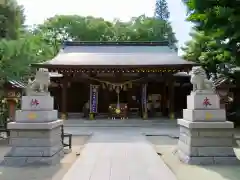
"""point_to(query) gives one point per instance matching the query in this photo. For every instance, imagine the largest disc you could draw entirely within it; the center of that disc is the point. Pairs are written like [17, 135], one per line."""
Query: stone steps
[119, 123]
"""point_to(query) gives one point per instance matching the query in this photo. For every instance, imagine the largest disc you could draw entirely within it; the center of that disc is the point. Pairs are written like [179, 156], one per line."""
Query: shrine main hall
[118, 80]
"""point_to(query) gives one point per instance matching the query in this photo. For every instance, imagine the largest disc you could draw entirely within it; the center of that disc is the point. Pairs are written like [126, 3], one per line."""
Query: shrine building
[118, 80]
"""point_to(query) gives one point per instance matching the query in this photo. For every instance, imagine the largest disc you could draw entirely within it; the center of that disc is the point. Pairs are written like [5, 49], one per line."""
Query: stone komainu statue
[200, 81]
[39, 86]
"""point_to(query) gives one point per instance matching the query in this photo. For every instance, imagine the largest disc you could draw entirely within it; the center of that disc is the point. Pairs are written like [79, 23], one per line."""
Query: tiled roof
[17, 84]
[117, 53]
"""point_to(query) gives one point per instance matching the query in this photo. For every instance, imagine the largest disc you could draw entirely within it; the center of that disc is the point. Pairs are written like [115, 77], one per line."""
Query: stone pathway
[119, 156]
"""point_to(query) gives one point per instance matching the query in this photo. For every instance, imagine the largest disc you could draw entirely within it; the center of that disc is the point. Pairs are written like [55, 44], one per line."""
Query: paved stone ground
[132, 122]
[41, 172]
[119, 151]
[119, 154]
[166, 146]
[162, 130]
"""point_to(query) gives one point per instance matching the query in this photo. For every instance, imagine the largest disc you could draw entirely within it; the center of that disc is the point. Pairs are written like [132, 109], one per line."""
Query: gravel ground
[45, 172]
[165, 146]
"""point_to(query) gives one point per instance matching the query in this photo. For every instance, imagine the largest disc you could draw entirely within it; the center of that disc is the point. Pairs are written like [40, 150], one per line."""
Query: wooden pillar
[144, 102]
[106, 100]
[64, 84]
[12, 108]
[171, 93]
[163, 98]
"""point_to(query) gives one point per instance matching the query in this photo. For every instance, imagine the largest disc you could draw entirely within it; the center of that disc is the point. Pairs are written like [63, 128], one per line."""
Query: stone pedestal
[35, 137]
[36, 109]
[205, 135]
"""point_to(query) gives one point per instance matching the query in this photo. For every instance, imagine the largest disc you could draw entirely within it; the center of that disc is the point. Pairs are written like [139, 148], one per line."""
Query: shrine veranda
[119, 79]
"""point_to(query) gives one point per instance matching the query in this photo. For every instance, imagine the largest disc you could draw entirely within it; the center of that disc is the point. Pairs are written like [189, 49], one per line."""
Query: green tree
[11, 19]
[161, 10]
[77, 28]
[204, 50]
[17, 55]
[123, 31]
[151, 29]
[220, 20]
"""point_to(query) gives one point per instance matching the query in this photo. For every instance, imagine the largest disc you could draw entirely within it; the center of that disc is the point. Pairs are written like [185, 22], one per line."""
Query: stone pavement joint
[115, 156]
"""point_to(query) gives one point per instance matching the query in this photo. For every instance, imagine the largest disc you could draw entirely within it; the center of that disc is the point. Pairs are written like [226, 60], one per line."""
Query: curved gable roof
[117, 54]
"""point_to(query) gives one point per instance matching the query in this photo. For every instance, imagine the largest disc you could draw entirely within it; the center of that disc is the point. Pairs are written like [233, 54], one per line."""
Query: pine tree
[161, 10]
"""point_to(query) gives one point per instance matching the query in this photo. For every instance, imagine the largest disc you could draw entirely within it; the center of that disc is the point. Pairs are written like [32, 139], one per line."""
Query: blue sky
[38, 10]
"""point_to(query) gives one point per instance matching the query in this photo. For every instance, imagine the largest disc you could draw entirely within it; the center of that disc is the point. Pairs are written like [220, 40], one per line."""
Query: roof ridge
[116, 43]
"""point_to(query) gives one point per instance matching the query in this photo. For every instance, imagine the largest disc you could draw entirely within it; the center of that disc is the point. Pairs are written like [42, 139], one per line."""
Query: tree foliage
[11, 19]
[78, 28]
[215, 44]
[219, 20]
[204, 50]
[17, 55]
[18, 47]
[161, 10]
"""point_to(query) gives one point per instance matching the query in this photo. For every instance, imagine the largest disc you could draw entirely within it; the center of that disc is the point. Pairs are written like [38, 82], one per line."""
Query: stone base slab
[206, 124]
[35, 126]
[29, 161]
[206, 151]
[35, 134]
[207, 132]
[28, 144]
[34, 143]
[35, 151]
[202, 146]
[210, 160]
[206, 141]
[36, 116]
[197, 101]
[34, 103]
[204, 115]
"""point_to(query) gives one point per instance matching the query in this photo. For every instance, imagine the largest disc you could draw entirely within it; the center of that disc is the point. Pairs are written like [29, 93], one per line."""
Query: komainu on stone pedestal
[39, 86]
[199, 80]
[205, 135]
[35, 137]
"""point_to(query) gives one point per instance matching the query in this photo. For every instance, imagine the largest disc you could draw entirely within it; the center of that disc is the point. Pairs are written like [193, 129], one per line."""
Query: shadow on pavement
[55, 172]
[166, 146]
